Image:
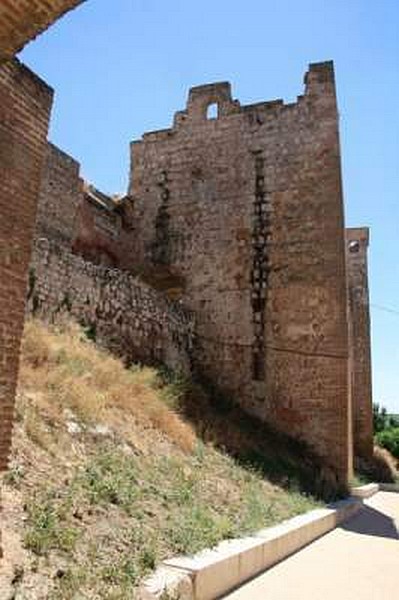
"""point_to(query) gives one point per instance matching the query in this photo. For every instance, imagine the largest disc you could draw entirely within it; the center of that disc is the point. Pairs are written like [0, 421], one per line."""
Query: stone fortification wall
[360, 346]
[25, 104]
[103, 233]
[61, 194]
[243, 213]
[121, 312]
[80, 217]
[240, 217]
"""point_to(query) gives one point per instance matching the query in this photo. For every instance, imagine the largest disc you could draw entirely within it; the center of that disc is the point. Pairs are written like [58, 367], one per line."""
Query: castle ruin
[228, 257]
[236, 222]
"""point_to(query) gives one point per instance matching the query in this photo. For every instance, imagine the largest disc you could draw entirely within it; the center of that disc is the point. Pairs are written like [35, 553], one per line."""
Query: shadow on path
[372, 522]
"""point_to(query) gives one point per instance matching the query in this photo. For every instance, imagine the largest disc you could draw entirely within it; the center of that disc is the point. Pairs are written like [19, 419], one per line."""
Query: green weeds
[48, 528]
[166, 506]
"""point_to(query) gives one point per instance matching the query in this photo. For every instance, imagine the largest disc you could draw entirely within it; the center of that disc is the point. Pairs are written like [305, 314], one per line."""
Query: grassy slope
[107, 477]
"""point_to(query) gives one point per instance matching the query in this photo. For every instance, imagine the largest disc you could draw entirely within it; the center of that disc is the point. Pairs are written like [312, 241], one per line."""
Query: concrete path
[357, 561]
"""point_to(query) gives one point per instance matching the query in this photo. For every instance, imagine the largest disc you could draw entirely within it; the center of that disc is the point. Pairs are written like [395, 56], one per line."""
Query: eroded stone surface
[118, 310]
[245, 210]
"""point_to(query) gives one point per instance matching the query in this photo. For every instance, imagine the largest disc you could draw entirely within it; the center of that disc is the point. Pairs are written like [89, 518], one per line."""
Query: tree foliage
[386, 429]
[382, 420]
[389, 439]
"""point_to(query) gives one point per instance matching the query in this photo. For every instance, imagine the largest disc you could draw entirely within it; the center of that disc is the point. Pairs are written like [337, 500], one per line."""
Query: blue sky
[123, 67]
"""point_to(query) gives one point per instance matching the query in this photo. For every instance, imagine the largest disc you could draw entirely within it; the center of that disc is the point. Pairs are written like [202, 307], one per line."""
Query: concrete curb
[212, 573]
[389, 487]
[365, 491]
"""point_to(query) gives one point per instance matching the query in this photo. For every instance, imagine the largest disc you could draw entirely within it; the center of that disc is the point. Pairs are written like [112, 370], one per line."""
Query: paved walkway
[357, 561]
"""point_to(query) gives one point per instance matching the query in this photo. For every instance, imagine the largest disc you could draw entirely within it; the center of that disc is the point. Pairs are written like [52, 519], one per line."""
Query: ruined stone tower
[359, 334]
[241, 216]
[237, 214]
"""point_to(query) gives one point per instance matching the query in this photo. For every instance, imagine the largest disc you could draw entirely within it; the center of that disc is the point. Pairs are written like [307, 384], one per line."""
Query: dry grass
[108, 476]
[381, 467]
[71, 372]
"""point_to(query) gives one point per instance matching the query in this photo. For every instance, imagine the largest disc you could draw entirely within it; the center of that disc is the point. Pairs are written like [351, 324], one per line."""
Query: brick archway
[25, 105]
[22, 20]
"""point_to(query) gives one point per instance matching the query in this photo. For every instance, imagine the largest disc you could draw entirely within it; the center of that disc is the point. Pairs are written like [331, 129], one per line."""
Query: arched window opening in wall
[212, 111]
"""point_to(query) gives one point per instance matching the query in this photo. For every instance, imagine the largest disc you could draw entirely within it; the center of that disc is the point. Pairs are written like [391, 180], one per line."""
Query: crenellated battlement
[319, 83]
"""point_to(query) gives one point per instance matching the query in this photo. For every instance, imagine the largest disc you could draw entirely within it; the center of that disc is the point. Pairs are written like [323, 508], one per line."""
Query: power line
[219, 342]
[385, 309]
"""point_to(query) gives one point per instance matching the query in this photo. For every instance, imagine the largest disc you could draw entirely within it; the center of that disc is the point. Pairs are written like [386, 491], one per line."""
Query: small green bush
[14, 476]
[47, 527]
[111, 479]
[389, 439]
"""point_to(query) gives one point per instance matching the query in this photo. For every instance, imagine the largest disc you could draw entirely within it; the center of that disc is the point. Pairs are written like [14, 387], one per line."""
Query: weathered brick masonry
[25, 103]
[245, 212]
[124, 314]
[23, 20]
[359, 331]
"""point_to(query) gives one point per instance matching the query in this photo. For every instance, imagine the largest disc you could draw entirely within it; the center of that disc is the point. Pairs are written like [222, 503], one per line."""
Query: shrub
[389, 439]
[382, 420]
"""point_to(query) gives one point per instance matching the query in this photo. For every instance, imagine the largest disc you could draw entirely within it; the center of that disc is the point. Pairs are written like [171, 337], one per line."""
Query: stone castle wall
[104, 231]
[240, 218]
[122, 313]
[296, 341]
[80, 217]
[61, 194]
[360, 346]
[244, 215]
[103, 234]
[25, 104]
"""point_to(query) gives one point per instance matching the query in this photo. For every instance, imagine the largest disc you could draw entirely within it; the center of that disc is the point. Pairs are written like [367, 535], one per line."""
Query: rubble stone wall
[118, 310]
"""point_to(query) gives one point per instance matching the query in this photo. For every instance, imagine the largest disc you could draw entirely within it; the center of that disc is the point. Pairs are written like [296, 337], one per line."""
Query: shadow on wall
[284, 461]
